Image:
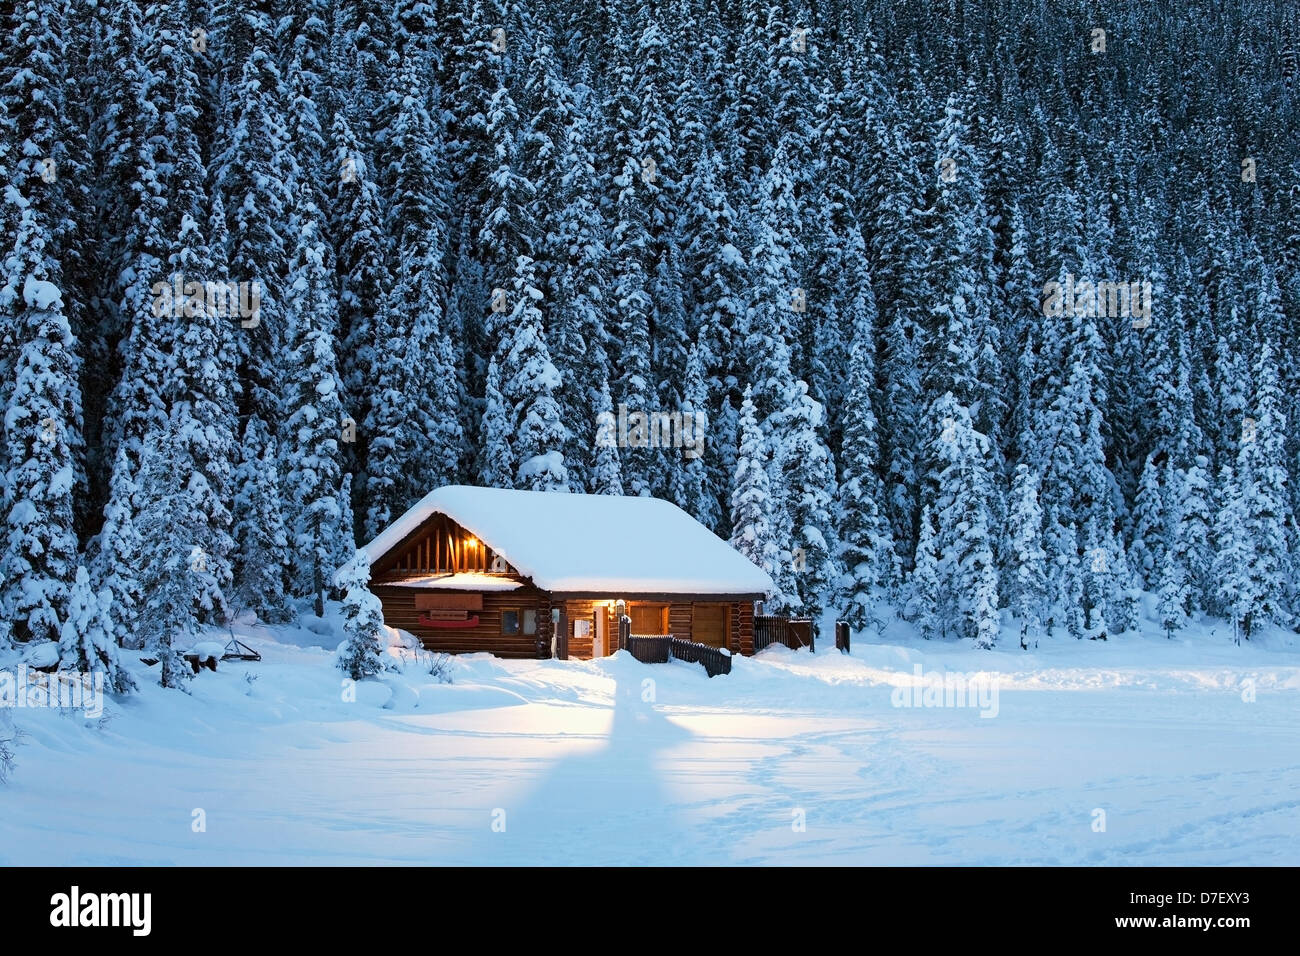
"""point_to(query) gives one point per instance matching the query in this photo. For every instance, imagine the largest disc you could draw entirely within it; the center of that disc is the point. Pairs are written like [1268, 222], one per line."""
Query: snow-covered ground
[793, 758]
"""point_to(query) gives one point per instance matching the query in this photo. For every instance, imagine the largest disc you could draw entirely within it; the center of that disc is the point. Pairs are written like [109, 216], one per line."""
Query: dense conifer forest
[977, 307]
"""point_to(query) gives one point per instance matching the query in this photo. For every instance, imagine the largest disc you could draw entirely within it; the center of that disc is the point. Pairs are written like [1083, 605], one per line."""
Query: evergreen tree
[1193, 530]
[866, 549]
[41, 428]
[808, 483]
[1026, 576]
[117, 551]
[261, 541]
[607, 472]
[531, 384]
[174, 573]
[926, 604]
[496, 455]
[86, 642]
[751, 502]
[1150, 522]
[314, 414]
[1171, 600]
[962, 524]
[361, 654]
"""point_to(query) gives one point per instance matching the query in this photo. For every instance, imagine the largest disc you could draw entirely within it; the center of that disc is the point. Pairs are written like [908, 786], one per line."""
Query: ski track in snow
[587, 771]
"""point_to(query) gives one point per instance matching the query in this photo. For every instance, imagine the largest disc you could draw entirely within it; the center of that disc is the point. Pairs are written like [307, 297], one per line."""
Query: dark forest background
[825, 230]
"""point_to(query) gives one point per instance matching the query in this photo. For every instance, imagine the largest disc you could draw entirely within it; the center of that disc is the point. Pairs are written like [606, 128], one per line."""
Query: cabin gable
[441, 546]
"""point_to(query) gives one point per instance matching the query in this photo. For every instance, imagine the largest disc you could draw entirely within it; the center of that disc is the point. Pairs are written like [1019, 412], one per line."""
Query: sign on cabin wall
[449, 602]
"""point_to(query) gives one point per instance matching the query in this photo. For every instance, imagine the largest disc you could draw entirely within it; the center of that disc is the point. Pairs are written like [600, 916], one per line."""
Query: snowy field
[792, 759]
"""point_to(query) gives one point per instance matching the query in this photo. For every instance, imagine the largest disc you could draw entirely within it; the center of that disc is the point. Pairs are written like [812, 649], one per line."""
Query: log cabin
[539, 575]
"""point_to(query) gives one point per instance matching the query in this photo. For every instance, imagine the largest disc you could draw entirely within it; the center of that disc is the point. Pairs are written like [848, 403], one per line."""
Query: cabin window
[514, 619]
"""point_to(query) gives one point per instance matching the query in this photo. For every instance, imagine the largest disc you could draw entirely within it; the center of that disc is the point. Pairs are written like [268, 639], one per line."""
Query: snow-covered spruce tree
[198, 391]
[630, 314]
[431, 431]
[363, 274]
[899, 267]
[42, 425]
[362, 652]
[425, 432]
[774, 294]
[496, 455]
[1150, 525]
[1096, 571]
[1172, 596]
[174, 575]
[306, 135]
[808, 480]
[711, 235]
[866, 550]
[1250, 536]
[698, 497]
[926, 604]
[345, 542]
[1124, 590]
[1026, 574]
[117, 550]
[669, 369]
[578, 333]
[261, 542]
[133, 202]
[751, 502]
[960, 347]
[1193, 530]
[254, 175]
[384, 423]
[530, 387]
[607, 471]
[1066, 576]
[958, 458]
[86, 643]
[1077, 488]
[311, 429]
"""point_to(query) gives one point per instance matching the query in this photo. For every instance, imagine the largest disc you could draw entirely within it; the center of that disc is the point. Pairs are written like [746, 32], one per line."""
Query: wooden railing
[714, 659]
[794, 633]
[657, 648]
[649, 648]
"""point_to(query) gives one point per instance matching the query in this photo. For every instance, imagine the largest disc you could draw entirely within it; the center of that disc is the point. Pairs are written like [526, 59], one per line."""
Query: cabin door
[649, 618]
[598, 642]
[709, 624]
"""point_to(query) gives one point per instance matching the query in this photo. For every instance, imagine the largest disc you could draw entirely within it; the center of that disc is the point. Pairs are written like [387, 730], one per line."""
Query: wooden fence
[657, 648]
[714, 659]
[649, 648]
[794, 633]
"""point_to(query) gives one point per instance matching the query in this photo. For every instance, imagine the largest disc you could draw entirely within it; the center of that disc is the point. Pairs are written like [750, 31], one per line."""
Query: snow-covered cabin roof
[588, 543]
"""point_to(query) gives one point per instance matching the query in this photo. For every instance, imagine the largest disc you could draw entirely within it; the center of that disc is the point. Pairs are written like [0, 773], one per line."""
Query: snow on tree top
[573, 542]
[39, 294]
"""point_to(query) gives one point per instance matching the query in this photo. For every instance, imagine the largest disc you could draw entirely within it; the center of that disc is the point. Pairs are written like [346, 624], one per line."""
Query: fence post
[624, 629]
[842, 636]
